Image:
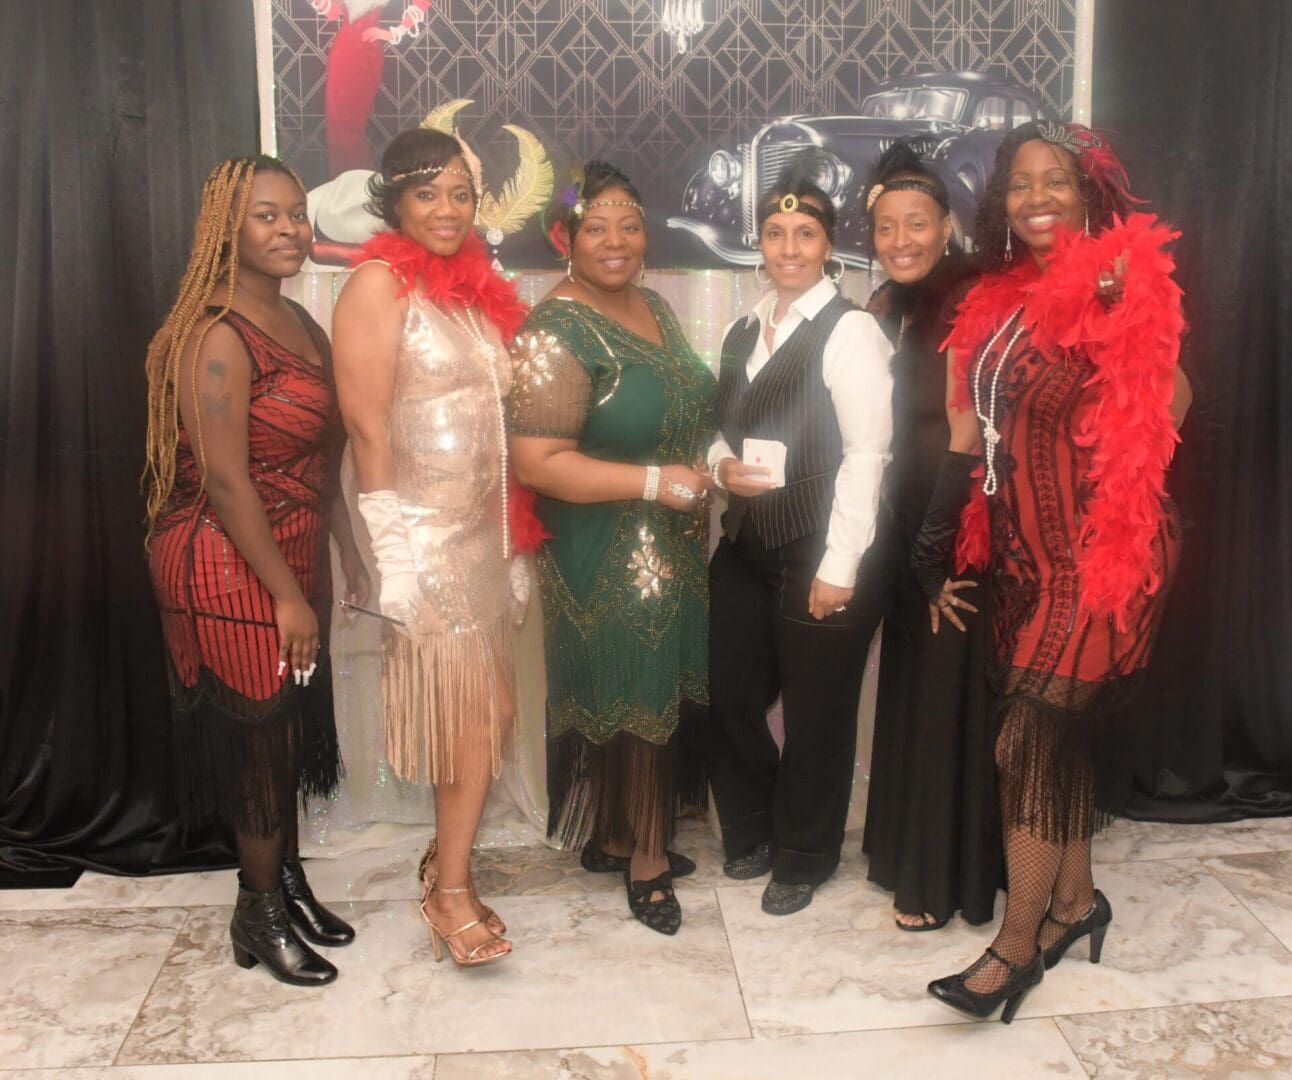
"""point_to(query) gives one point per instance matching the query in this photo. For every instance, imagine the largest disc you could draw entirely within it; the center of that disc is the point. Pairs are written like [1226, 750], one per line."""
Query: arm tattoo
[217, 406]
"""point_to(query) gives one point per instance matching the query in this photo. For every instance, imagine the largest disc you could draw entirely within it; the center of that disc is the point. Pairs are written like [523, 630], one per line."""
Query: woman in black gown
[932, 823]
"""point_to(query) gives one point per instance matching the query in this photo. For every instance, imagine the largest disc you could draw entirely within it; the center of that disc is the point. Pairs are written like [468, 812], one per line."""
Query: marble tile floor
[131, 978]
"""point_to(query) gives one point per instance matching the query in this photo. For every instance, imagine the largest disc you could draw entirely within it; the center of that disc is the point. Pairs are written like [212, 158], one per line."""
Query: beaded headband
[580, 207]
[435, 170]
[904, 183]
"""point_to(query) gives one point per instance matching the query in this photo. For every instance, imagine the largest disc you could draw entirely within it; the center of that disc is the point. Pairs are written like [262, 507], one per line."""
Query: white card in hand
[770, 454]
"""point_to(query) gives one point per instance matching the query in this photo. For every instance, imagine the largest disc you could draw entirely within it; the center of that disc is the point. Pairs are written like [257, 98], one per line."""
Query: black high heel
[262, 933]
[1094, 922]
[315, 921]
[953, 991]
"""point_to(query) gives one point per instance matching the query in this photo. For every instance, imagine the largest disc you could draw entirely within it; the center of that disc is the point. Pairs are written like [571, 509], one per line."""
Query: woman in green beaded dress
[611, 412]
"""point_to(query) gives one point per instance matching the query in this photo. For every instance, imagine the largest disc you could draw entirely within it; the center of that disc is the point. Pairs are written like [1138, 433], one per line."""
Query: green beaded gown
[624, 584]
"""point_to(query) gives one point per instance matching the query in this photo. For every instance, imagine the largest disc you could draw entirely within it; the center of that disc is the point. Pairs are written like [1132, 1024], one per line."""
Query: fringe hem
[441, 700]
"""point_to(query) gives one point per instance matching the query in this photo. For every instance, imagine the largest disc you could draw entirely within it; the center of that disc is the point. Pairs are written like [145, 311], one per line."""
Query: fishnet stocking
[1074, 892]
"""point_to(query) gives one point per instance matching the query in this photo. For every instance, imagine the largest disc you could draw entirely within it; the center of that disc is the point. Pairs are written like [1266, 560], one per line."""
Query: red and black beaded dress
[248, 740]
[1083, 539]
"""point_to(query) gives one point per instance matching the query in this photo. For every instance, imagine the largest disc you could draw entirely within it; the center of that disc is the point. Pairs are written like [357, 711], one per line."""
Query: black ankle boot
[262, 933]
[315, 921]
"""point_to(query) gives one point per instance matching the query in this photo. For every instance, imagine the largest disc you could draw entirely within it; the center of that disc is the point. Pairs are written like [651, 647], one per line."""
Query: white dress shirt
[856, 372]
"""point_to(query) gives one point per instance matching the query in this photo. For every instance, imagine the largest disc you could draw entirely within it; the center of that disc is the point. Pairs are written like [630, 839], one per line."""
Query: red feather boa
[465, 279]
[1134, 345]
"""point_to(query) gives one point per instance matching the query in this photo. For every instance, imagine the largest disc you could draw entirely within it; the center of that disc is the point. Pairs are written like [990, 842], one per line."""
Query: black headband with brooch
[789, 203]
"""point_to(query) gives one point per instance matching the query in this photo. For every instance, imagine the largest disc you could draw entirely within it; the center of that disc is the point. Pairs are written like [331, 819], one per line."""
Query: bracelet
[650, 490]
[717, 476]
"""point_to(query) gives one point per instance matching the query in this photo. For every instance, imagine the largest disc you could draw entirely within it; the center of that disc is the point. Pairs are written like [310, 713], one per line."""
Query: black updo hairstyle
[412, 151]
[990, 227]
[598, 177]
[900, 168]
[798, 178]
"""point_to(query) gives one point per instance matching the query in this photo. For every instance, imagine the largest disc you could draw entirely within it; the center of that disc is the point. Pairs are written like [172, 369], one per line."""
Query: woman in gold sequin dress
[419, 333]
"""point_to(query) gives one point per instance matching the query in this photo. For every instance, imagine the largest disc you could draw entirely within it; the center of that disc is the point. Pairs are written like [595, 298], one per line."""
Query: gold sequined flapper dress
[446, 431]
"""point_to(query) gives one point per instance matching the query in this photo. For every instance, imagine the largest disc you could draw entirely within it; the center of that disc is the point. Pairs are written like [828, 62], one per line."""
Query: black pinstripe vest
[787, 401]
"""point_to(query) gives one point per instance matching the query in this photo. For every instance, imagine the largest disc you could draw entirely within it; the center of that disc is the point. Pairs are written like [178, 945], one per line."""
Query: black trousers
[763, 642]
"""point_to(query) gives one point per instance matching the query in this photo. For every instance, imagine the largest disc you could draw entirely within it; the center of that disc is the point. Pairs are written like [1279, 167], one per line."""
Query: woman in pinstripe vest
[796, 583]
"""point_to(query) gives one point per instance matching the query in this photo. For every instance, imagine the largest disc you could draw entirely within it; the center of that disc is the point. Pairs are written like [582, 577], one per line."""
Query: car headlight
[832, 175]
[724, 169]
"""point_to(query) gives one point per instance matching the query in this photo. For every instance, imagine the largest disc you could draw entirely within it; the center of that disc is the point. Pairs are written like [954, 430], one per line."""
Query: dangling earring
[761, 275]
[1087, 219]
[641, 276]
[946, 248]
[569, 269]
[1009, 243]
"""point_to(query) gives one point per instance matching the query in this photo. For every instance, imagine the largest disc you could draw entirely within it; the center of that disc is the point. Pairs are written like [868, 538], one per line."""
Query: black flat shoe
[262, 933]
[596, 861]
[1094, 922]
[314, 920]
[664, 915]
[781, 899]
[753, 863]
[1022, 977]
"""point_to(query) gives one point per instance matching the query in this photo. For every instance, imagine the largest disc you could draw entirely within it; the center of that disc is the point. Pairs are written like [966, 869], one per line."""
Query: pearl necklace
[991, 436]
[489, 354]
[772, 321]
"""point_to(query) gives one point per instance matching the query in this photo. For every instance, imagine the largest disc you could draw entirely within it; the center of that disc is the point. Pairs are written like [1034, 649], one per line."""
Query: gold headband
[580, 208]
[873, 197]
[435, 170]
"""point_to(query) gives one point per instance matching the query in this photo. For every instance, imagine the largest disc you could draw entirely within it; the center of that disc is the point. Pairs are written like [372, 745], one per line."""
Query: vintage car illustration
[957, 119]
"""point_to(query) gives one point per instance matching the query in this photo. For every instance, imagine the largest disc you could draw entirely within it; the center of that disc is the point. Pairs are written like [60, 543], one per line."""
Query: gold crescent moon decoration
[524, 195]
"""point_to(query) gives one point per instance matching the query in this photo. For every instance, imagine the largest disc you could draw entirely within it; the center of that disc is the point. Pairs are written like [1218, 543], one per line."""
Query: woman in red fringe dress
[1063, 373]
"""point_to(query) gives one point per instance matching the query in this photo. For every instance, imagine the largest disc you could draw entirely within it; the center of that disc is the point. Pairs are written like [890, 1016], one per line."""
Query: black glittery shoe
[596, 861]
[781, 899]
[664, 915]
[753, 863]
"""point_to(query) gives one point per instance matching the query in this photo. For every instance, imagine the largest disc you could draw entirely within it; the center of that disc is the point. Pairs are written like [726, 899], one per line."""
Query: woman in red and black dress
[243, 442]
[1063, 371]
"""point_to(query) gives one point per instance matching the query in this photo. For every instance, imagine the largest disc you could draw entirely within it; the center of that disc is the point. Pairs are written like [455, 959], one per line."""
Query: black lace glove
[934, 547]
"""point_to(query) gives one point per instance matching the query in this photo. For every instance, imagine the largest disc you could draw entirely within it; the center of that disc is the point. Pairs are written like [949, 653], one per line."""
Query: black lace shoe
[753, 863]
[663, 915]
[596, 861]
[1022, 977]
[1094, 922]
[262, 933]
[781, 899]
[315, 921]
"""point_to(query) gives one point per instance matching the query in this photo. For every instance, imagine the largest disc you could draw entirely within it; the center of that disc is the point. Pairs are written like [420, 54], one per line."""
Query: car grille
[764, 162]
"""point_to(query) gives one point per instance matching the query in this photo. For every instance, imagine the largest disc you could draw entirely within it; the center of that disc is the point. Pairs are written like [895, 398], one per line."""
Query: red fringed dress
[1083, 539]
[248, 740]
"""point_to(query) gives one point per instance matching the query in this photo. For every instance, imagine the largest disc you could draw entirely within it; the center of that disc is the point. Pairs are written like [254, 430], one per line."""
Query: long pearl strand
[990, 436]
[489, 352]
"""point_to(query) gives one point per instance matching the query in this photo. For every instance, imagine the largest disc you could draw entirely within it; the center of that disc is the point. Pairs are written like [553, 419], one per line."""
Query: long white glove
[401, 592]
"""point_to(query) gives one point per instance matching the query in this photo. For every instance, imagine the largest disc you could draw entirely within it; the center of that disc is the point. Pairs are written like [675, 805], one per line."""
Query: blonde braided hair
[212, 261]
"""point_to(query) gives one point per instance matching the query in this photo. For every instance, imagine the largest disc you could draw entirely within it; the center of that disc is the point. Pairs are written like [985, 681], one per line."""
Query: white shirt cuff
[838, 569]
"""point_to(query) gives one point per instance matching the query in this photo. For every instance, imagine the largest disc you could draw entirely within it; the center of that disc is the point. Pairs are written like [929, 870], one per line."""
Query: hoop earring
[1009, 243]
[832, 278]
[761, 275]
[569, 269]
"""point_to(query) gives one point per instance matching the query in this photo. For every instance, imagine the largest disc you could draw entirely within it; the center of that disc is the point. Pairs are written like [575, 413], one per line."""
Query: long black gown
[932, 819]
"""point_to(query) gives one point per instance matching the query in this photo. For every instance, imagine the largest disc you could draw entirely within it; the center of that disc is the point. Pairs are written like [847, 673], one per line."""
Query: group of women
[978, 460]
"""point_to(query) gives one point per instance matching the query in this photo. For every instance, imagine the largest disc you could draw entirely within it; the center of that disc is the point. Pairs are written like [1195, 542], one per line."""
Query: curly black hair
[409, 151]
[990, 227]
[900, 168]
[598, 177]
[798, 178]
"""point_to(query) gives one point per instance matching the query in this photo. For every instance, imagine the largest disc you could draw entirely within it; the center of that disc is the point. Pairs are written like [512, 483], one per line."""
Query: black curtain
[1198, 99]
[110, 117]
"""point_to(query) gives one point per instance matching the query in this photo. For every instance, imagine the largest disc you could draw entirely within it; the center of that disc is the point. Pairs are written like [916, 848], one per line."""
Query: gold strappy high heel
[427, 873]
[472, 957]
